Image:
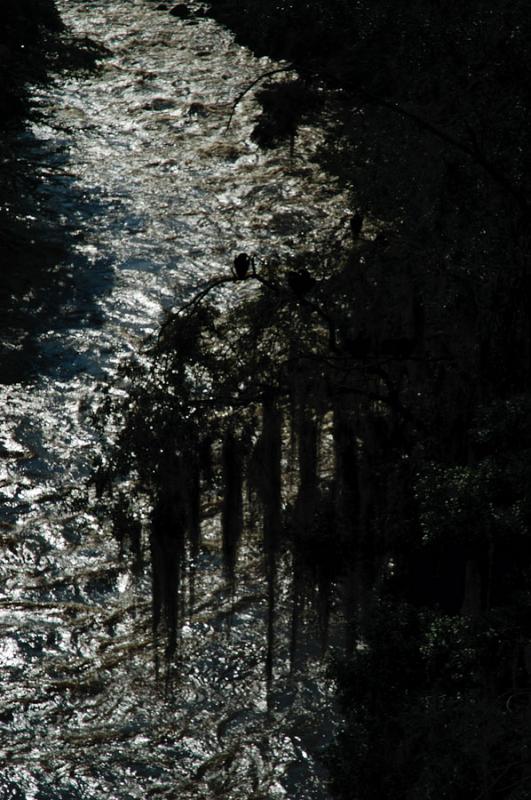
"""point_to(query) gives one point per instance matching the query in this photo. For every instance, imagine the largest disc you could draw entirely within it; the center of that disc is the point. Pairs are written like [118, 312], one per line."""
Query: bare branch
[268, 74]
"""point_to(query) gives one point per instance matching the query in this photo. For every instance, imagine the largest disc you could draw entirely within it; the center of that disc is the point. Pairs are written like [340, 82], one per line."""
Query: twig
[202, 293]
[206, 289]
[248, 88]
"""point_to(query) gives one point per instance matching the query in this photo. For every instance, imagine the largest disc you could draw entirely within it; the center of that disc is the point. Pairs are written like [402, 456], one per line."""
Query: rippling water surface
[135, 165]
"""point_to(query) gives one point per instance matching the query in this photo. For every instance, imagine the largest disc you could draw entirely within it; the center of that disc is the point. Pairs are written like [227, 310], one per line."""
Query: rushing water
[135, 166]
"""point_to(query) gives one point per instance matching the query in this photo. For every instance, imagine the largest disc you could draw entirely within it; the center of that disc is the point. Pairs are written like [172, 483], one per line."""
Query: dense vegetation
[369, 408]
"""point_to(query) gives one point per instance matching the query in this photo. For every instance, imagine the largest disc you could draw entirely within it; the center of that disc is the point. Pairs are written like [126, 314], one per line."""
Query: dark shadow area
[44, 283]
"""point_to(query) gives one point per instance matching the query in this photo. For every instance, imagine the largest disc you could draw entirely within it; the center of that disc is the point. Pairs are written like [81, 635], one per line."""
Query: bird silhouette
[356, 224]
[242, 264]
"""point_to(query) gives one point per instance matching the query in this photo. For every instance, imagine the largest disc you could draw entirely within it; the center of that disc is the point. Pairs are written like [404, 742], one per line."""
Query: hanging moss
[270, 490]
[194, 519]
[345, 481]
[308, 493]
[167, 555]
[127, 528]
[271, 497]
[232, 507]
[170, 531]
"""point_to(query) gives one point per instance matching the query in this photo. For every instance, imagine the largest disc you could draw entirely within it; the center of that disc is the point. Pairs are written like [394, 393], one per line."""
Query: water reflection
[145, 195]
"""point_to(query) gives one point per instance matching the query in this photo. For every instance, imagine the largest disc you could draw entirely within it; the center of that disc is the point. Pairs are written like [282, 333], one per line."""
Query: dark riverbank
[28, 44]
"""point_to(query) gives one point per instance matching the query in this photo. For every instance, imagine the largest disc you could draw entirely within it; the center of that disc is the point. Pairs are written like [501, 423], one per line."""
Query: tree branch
[268, 74]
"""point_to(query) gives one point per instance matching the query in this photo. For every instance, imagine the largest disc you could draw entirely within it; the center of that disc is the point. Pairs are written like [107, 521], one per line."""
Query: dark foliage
[374, 398]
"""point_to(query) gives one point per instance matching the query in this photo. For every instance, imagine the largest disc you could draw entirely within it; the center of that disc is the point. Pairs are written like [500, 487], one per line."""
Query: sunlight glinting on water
[135, 165]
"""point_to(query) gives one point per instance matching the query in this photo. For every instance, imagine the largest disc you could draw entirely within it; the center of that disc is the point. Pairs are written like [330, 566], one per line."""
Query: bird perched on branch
[356, 224]
[242, 264]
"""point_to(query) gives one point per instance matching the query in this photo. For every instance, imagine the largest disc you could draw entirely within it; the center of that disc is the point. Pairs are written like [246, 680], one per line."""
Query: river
[135, 168]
